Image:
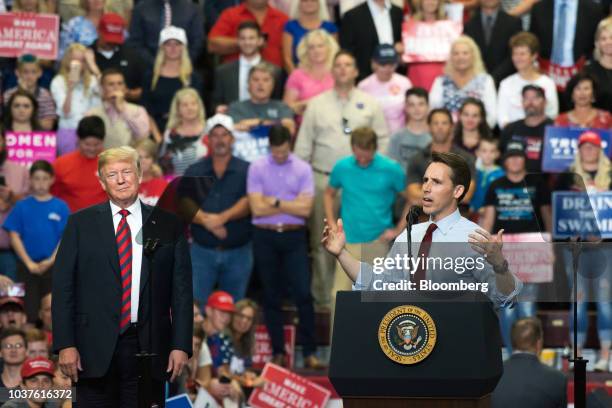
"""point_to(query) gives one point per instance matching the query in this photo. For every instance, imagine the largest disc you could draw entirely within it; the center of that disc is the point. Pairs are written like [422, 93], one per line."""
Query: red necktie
[419, 275]
[124, 248]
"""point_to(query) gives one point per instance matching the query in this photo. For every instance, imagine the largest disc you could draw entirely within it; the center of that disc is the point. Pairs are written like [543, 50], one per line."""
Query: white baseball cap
[173, 33]
[220, 120]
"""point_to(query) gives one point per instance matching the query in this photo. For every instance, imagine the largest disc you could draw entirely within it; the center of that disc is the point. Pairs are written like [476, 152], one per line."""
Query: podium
[461, 370]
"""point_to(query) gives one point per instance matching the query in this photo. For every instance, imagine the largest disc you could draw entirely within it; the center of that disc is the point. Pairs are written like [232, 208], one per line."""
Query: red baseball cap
[35, 366]
[11, 300]
[221, 300]
[590, 137]
[111, 28]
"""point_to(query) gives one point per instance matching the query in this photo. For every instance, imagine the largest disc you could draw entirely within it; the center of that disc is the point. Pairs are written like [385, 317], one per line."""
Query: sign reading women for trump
[578, 214]
[29, 33]
[27, 147]
[561, 146]
[429, 42]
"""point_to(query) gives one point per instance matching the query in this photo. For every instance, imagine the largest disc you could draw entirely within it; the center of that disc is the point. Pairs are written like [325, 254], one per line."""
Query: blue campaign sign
[561, 146]
[581, 214]
[180, 401]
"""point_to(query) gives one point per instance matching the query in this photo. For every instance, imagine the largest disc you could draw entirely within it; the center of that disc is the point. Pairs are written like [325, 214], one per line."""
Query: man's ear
[459, 189]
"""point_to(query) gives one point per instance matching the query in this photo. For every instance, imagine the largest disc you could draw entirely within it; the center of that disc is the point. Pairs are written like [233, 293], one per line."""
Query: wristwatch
[277, 203]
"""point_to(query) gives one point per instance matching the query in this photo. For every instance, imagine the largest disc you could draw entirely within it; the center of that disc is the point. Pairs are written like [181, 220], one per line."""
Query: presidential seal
[407, 334]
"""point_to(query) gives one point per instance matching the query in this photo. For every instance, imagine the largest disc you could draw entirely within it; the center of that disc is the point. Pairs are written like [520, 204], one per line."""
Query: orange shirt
[76, 181]
[272, 26]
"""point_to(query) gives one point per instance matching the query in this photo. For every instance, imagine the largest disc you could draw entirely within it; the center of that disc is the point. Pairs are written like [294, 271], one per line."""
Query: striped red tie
[124, 247]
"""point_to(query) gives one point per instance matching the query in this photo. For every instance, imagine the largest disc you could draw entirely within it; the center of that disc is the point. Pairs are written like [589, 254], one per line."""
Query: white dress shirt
[382, 21]
[243, 76]
[453, 230]
[134, 220]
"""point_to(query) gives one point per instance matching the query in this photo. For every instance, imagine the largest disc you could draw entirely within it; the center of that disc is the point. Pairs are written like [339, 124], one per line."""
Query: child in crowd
[28, 73]
[35, 226]
[486, 170]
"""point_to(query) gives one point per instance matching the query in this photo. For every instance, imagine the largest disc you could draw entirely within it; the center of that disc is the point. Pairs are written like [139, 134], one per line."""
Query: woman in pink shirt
[313, 75]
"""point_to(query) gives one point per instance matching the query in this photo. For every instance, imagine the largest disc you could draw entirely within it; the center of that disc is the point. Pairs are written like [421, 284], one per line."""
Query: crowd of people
[299, 112]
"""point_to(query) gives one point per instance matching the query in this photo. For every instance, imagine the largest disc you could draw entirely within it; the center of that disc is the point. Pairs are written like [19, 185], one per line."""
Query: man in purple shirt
[280, 189]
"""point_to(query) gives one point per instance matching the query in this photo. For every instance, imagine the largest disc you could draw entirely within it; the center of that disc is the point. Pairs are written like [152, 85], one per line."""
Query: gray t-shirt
[420, 161]
[271, 110]
[404, 144]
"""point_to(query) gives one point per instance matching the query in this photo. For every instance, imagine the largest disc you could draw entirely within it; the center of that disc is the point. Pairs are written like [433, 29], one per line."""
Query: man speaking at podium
[445, 183]
[101, 305]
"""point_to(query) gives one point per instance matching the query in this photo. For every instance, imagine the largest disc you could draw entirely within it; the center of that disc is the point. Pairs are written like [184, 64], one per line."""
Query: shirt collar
[134, 209]
[446, 223]
[493, 14]
[374, 6]
[210, 171]
[254, 61]
[273, 162]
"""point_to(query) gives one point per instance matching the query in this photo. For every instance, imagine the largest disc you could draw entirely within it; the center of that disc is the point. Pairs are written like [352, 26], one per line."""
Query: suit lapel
[235, 75]
[370, 20]
[144, 270]
[107, 236]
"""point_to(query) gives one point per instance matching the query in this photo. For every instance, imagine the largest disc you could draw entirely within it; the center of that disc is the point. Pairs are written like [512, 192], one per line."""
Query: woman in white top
[525, 47]
[464, 76]
[75, 91]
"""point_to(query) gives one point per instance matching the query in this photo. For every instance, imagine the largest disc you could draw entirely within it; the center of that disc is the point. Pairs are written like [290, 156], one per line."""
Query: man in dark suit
[101, 303]
[231, 78]
[368, 25]
[568, 40]
[527, 382]
[491, 28]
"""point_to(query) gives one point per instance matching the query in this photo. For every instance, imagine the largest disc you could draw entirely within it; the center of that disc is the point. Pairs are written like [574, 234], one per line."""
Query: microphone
[411, 218]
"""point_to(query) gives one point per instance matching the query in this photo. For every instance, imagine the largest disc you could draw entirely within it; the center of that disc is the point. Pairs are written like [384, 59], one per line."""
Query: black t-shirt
[517, 205]
[531, 137]
[604, 84]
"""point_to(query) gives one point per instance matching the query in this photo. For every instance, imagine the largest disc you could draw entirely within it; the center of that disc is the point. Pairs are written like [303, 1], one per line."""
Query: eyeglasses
[16, 346]
[346, 129]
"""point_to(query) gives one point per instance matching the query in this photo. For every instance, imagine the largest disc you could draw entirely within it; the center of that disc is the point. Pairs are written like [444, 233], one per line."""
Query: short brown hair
[364, 138]
[526, 333]
[460, 171]
[35, 335]
[525, 39]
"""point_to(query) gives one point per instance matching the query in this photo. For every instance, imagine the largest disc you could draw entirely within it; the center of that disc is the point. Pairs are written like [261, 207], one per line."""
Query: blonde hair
[294, 10]
[173, 118]
[418, 10]
[41, 6]
[116, 154]
[65, 66]
[150, 148]
[605, 24]
[477, 64]
[185, 70]
[330, 43]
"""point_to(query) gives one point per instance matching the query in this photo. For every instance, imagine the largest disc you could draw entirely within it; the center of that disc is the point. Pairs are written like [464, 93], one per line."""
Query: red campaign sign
[29, 33]
[263, 346]
[429, 41]
[27, 147]
[284, 389]
[530, 256]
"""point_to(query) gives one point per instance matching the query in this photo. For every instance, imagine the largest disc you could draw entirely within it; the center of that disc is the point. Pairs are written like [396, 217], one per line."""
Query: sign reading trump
[578, 214]
[29, 33]
[561, 146]
[27, 147]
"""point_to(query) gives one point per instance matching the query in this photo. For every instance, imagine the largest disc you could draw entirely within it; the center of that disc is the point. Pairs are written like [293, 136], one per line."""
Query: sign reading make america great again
[29, 33]
[578, 214]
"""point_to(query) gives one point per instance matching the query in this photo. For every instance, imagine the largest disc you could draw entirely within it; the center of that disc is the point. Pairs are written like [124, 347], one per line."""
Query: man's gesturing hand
[70, 363]
[176, 362]
[488, 245]
[334, 237]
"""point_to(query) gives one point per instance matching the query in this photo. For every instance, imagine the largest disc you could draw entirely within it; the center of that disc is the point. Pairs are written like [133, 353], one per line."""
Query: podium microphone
[411, 218]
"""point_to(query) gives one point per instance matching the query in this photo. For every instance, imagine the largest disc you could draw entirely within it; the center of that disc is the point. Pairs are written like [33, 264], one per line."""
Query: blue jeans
[282, 261]
[230, 268]
[522, 309]
[8, 264]
[594, 282]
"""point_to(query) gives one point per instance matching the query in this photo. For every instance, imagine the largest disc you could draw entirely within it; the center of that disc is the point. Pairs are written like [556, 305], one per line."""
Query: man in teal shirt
[370, 183]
